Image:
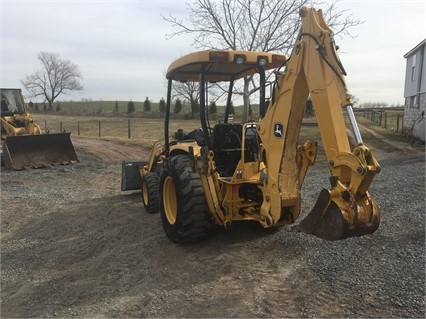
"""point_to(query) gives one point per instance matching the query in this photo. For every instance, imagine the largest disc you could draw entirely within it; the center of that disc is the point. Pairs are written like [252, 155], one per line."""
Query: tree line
[147, 107]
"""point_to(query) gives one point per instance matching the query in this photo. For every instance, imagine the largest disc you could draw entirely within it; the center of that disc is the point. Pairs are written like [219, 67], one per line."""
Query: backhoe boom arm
[314, 70]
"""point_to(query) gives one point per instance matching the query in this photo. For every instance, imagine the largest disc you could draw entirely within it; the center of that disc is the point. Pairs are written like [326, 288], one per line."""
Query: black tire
[183, 207]
[150, 193]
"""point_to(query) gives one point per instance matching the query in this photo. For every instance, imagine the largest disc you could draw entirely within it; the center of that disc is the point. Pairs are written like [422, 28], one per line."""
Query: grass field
[144, 130]
[71, 112]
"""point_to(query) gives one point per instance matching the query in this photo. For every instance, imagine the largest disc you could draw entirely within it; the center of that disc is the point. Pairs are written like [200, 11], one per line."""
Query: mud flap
[329, 222]
[38, 150]
[130, 175]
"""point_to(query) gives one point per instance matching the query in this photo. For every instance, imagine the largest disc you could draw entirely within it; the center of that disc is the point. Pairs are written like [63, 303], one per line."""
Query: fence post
[386, 120]
[60, 127]
[45, 126]
[128, 129]
[99, 128]
[398, 122]
[78, 128]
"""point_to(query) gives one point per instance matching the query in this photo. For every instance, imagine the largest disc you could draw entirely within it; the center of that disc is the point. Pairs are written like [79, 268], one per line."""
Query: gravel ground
[74, 245]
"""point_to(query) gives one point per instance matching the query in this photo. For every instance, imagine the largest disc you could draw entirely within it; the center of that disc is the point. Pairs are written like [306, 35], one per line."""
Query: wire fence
[98, 128]
[135, 129]
[389, 119]
[152, 129]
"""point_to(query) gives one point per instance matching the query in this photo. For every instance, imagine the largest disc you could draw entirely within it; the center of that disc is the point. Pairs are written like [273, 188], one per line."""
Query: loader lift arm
[314, 70]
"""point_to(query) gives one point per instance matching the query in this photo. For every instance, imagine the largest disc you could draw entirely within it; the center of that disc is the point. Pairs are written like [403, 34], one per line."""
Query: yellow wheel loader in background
[255, 170]
[23, 143]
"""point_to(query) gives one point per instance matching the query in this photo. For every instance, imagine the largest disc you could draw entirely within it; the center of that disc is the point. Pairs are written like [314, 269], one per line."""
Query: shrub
[213, 108]
[147, 105]
[178, 106]
[130, 107]
[162, 106]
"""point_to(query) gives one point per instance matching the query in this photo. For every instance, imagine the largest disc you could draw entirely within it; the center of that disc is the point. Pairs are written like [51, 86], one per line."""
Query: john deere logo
[278, 130]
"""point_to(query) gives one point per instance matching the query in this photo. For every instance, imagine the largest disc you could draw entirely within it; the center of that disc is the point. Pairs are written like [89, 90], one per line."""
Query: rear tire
[183, 207]
[150, 193]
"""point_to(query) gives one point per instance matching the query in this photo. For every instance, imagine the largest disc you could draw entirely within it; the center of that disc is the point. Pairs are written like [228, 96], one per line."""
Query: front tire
[183, 207]
[150, 193]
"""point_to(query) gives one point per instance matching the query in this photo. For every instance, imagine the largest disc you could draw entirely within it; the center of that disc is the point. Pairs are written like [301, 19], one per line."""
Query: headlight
[262, 61]
[239, 59]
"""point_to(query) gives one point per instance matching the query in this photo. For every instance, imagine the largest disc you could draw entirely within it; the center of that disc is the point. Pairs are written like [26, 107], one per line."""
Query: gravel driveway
[74, 245]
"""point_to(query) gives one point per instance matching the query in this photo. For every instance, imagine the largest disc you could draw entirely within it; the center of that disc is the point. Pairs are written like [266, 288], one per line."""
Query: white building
[415, 84]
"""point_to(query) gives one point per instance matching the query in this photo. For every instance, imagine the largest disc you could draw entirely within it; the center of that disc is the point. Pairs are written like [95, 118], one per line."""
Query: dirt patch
[74, 245]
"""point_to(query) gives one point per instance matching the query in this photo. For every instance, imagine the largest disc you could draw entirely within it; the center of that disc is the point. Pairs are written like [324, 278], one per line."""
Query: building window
[414, 104]
[413, 68]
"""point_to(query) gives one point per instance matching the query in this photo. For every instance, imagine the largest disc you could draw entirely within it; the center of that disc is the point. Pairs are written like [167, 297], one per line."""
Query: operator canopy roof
[222, 65]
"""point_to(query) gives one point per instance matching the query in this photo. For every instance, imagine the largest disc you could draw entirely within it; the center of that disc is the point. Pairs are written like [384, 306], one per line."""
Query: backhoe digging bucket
[39, 150]
[339, 219]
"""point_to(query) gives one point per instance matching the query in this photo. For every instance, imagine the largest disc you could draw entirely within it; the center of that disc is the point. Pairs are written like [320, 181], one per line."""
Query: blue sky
[122, 51]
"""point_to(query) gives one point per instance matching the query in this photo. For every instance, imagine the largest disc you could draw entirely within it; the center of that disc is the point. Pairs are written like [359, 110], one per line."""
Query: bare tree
[189, 91]
[55, 77]
[253, 25]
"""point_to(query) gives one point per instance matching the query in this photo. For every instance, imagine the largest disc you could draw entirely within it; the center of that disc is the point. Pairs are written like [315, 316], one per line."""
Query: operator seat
[226, 145]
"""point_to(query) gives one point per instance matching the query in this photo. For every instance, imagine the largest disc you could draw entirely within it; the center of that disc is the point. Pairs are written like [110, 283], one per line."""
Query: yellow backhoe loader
[23, 143]
[255, 170]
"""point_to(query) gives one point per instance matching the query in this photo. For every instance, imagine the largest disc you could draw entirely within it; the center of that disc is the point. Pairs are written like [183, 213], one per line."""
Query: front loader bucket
[130, 175]
[338, 219]
[38, 150]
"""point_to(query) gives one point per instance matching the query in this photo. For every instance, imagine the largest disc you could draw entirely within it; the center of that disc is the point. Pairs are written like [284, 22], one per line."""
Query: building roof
[415, 49]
